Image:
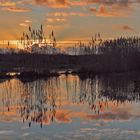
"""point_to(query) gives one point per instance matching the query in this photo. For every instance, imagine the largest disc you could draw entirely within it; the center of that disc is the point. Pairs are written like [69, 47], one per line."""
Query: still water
[71, 108]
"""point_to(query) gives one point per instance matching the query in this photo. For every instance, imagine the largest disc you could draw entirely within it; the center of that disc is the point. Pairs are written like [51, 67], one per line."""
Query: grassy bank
[103, 63]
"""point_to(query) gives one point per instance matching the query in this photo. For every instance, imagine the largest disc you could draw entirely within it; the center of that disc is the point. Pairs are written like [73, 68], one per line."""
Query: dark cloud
[114, 2]
[128, 28]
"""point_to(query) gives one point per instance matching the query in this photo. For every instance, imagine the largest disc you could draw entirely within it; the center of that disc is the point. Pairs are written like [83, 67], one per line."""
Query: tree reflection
[38, 101]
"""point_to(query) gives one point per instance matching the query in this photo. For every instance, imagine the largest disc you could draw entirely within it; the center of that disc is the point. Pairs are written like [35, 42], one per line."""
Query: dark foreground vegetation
[101, 63]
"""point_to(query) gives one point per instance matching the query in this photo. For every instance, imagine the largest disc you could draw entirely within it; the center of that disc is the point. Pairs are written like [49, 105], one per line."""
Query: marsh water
[70, 107]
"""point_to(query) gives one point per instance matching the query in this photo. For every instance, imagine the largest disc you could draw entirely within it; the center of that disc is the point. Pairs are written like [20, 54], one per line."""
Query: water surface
[70, 107]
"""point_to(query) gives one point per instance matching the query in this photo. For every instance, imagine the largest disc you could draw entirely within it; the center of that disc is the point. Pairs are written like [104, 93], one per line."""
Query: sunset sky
[70, 19]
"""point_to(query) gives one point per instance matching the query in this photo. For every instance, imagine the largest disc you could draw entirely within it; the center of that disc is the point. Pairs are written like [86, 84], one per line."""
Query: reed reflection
[46, 101]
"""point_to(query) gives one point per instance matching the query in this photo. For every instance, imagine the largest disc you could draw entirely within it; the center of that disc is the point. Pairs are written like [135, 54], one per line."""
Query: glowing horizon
[60, 44]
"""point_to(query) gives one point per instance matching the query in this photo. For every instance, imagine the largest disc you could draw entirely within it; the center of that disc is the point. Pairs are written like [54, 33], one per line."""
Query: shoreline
[32, 76]
[39, 65]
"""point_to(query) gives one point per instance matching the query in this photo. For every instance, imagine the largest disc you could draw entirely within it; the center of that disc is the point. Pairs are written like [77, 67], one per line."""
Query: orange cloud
[78, 3]
[113, 8]
[52, 20]
[23, 24]
[66, 14]
[121, 3]
[16, 9]
[103, 11]
[5, 3]
[53, 3]
[27, 21]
